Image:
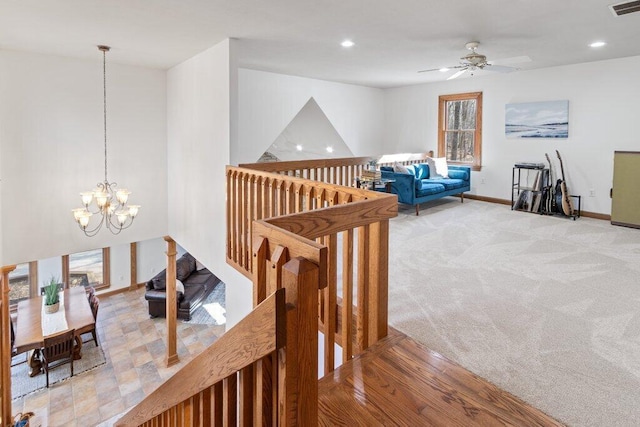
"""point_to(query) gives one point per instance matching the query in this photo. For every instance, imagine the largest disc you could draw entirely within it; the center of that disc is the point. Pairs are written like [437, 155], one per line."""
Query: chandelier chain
[104, 92]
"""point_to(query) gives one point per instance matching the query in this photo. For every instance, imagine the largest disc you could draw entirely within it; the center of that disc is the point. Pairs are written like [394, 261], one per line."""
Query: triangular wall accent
[310, 135]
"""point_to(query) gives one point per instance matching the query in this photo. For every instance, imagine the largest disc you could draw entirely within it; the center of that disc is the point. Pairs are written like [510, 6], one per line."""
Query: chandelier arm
[94, 231]
[117, 226]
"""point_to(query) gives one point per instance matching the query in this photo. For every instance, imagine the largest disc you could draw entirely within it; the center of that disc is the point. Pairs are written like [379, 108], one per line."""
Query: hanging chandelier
[110, 201]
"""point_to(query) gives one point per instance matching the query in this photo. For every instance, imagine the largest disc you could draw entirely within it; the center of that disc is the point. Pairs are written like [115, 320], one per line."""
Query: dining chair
[58, 350]
[94, 302]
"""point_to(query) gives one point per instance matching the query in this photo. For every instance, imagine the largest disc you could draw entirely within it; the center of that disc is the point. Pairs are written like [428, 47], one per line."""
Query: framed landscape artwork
[549, 119]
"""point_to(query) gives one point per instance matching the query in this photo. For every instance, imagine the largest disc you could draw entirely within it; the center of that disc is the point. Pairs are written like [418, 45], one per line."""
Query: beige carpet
[545, 307]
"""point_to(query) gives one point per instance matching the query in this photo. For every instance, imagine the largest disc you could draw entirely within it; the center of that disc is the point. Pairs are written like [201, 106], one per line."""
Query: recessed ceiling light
[329, 149]
[443, 69]
[299, 147]
[597, 44]
[347, 43]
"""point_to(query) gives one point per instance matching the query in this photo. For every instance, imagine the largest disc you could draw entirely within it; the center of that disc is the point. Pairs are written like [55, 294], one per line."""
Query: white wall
[602, 111]
[51, 140]
[201, 120]
[151, 258]
[120, 263]
[268, 102]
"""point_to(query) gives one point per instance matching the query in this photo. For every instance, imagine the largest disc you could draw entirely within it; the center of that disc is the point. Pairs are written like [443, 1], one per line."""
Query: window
[460, 128]
[19, 284]
[89, 268]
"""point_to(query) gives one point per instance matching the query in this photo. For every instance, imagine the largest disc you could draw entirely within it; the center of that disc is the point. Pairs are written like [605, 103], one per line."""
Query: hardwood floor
[400, 382]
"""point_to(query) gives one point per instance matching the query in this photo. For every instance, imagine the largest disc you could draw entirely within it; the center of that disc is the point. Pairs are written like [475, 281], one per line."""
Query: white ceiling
[394, 38]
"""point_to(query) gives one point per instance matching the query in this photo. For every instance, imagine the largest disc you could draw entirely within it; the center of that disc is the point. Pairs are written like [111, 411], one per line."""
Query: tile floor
[135, 350]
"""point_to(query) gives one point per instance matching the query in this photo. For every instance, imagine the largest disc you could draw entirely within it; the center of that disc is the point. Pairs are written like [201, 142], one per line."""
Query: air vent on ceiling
[625, 8]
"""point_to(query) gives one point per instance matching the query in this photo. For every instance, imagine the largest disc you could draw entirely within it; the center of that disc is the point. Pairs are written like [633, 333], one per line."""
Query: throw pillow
[422, 170]
[438, 167]
[179, 286]
[199, 266]
[400, 168]
[185, 266]
[159, 283]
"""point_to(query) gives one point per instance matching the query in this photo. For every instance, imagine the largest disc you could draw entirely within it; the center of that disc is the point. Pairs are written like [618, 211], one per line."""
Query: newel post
[5, 355]
[298, 360]
[172, 303]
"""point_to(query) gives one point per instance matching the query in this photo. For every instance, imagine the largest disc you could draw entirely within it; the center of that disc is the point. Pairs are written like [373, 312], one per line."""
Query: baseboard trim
[118, 291]
[585, 214]
[487, 199]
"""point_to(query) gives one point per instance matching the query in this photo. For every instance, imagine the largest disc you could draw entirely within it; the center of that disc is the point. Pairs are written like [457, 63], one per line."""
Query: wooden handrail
[260, 333]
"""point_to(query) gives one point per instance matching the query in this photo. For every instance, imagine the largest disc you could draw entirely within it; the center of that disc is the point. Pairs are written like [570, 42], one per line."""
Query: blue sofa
[417, 187]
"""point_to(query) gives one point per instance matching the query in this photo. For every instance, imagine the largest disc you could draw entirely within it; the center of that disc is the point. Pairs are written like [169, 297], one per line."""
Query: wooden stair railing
[263, 371]
[351, 223]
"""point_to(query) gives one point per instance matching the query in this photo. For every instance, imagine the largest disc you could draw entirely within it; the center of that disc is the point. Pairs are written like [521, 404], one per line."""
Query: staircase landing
[400, 382]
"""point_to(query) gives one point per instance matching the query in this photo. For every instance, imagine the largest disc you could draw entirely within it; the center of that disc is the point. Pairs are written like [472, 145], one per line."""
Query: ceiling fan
[476, 61]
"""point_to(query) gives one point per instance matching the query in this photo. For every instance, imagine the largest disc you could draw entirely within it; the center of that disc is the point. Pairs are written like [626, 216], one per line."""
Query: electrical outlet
[121, 278]
[482, 181]
[592, 193]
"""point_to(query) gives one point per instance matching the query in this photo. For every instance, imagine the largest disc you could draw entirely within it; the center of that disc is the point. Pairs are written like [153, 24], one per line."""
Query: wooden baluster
[347, 295]
[330, 297]
[331, 305]
[207, 407]
[230, 400]
[261, 248]
[242, 232]
[378, 281]
[246, 396]
[298, 366]
[229, 214]
[218, 404]
[362, 320]
[234, 217]
[282, 198]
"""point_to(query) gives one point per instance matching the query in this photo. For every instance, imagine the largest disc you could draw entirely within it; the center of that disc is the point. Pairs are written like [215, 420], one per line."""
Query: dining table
[32, 327]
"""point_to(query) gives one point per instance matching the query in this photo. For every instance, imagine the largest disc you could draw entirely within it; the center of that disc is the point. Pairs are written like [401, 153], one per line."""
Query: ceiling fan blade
[512, 60]
[499, 68]
[458, 74]
[442, 68]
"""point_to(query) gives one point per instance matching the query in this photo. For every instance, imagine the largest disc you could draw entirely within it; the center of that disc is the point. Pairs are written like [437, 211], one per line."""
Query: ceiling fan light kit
[472, 62]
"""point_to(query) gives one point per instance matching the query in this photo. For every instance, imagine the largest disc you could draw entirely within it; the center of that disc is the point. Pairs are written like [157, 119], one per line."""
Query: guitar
[566, 204]
[547, 193]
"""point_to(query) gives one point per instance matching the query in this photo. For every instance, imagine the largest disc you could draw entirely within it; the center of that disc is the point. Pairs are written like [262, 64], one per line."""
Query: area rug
[212, 311]
[22, 384]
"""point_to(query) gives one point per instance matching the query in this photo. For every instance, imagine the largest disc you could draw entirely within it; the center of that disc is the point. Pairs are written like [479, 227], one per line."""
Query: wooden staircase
[288, 224]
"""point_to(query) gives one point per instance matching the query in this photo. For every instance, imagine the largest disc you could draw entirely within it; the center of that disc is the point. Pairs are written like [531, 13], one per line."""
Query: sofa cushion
[457, 174]
[198, 278]
[386, 169]
[438, 167]
[185, 266]
[429, 188]
[446, 183]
